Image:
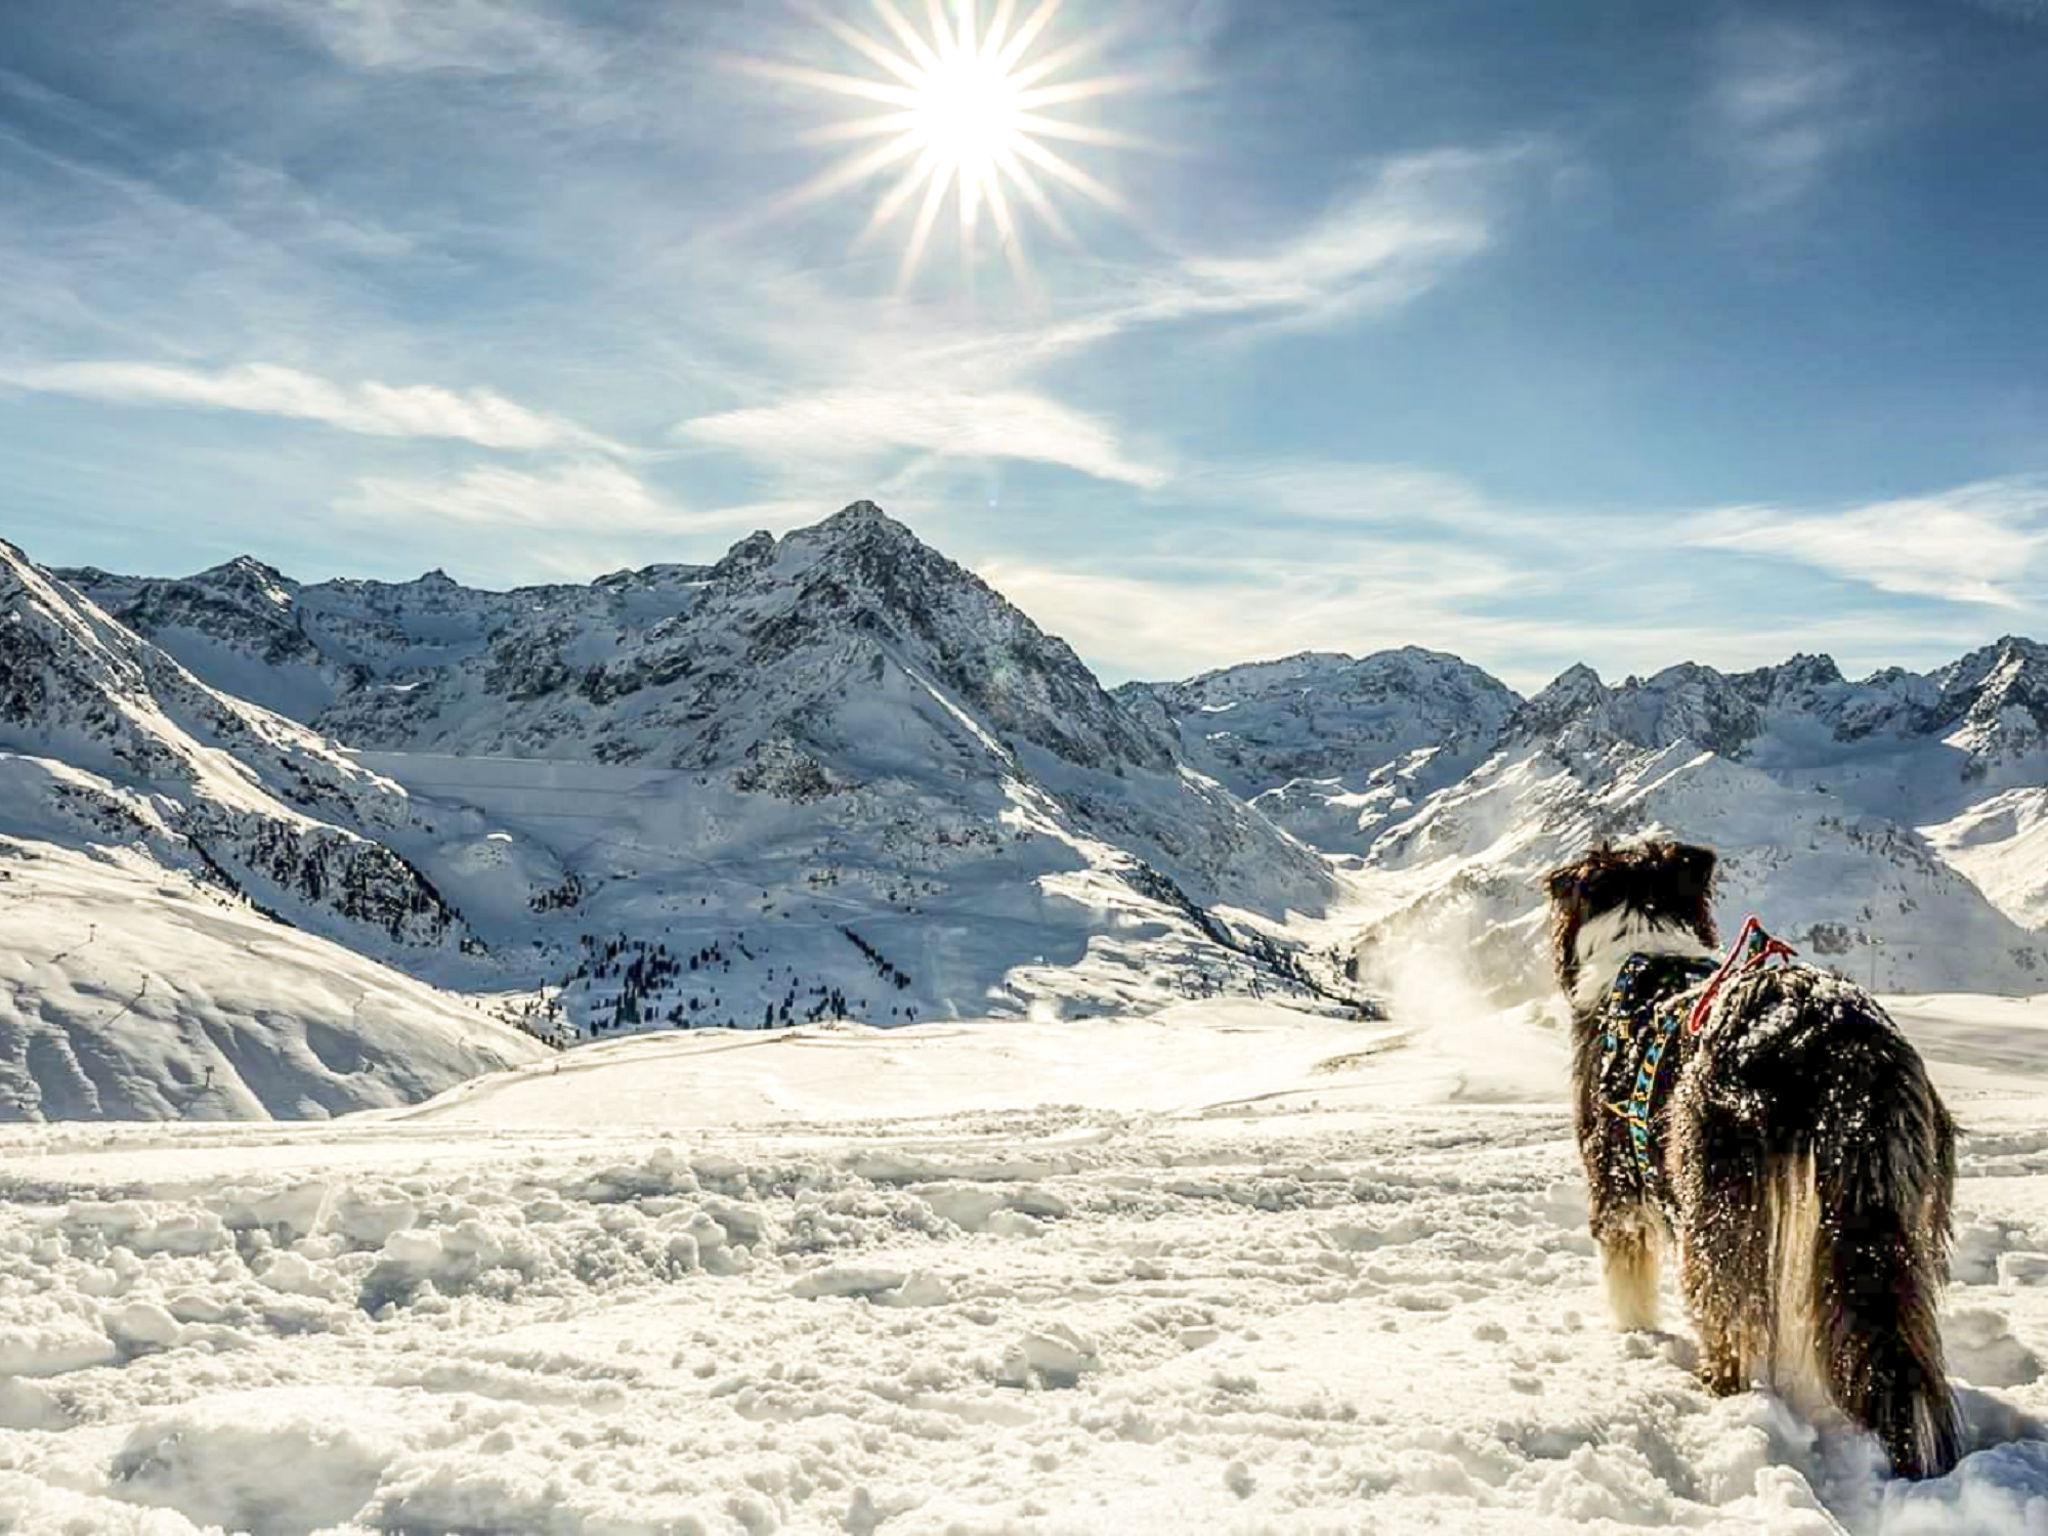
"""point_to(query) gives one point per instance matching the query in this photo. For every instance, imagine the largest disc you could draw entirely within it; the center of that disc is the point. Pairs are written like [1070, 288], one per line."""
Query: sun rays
[962, 113]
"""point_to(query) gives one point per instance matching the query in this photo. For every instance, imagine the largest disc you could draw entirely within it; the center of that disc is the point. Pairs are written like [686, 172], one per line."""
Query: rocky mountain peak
[1996, 698]
[13, 563]
[245, 569]
[862, 575]
[751, 553]
[865, 540]
[1575, 693]
[1803, 672]
[649, 577]
[857, 515]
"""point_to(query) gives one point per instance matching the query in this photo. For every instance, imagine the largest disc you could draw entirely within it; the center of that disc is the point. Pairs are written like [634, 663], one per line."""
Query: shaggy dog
[1792, 1148]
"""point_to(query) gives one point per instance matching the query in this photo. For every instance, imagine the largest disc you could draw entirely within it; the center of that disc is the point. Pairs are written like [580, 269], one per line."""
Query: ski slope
[1226, 1267]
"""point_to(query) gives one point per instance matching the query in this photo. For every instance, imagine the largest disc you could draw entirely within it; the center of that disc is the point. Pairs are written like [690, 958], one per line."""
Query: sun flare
[962, 117]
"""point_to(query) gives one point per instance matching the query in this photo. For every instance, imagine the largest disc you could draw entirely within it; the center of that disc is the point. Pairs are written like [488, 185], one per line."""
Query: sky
[1604, 332]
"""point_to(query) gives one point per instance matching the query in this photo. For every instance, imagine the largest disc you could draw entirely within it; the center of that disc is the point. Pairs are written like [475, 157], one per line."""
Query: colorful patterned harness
[1644, 1008]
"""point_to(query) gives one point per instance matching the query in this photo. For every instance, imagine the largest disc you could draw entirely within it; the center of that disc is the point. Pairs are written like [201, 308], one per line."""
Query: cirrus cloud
[861, 421]
[593, 495]
[1982, 543]
[375, 409]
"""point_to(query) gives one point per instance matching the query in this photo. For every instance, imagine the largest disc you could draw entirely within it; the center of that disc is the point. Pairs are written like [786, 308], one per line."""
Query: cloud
[1175, 618]
[862, 422]
[1340, 491]
[1361, 557]
[481, 36]
[377, 410]
[1383, 242]
[1176, 621]
[1985, 543]
[1785, 103]
[593, 496]
[1395, 233]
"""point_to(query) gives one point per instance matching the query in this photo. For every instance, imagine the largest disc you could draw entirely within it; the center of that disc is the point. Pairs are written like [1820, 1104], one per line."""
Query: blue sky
[1608, 332]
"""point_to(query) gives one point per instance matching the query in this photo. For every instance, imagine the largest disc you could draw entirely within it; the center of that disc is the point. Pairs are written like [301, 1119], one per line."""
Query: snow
[1226, 1266]
[2002, 845]
[127, 992]
[1330, 746]
[1851, 888]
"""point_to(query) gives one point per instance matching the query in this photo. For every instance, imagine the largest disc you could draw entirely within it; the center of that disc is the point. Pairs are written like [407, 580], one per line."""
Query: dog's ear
[1697, 863]
[1560, 883]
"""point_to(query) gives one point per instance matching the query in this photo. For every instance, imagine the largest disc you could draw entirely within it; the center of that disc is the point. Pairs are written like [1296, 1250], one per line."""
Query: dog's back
[1815, 1165]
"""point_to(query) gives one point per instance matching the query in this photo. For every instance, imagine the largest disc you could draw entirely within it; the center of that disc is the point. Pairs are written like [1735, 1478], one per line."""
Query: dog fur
[1803, 1165]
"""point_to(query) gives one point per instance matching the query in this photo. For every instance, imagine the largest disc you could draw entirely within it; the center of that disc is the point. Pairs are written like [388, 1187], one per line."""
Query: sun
[961, 114]
[967, 115]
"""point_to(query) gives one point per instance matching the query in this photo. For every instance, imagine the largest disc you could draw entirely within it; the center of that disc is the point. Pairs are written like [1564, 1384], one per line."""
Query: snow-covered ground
[1226, 1268]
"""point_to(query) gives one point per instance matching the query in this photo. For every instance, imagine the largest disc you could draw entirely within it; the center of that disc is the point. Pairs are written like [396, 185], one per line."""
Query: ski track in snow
[1233, 1270]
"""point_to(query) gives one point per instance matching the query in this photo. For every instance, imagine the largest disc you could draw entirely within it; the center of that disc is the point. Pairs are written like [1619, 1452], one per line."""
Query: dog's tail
[1865, 1216]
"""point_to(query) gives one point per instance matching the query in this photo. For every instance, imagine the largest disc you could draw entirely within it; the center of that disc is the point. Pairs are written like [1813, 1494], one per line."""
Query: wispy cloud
[1169, 619]
[1384, 241]
[1985, 543]
[861, 422]
[479, 416]
[593, 494]
[1360, 557]
[1174, 621]
[1785, 103]
[1397, 232]
[1340, 491]
[483, 36]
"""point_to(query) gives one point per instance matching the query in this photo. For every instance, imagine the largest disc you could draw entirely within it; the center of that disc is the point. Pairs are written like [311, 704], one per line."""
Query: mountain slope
[105, 739]
[136, 993]
[835, 773]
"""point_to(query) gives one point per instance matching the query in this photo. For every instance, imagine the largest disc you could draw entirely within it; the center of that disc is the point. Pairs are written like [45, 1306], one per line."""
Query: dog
[1786, 1140]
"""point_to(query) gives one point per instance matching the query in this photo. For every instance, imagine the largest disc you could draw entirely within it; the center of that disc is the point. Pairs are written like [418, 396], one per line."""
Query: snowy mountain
[831, 774]
[139, 993]
[843, 655]
[1334, 747]
[835, 774]
[169, 860]
[1892, 827]
[105, 739]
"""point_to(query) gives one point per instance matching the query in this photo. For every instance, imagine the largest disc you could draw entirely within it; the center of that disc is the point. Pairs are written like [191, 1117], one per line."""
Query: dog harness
[1640, 1021]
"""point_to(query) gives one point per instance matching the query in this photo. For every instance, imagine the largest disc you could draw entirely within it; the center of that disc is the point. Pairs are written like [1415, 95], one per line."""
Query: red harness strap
[1752, 948]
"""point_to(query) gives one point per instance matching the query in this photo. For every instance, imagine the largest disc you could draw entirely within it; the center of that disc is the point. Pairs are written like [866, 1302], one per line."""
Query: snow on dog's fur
[1801, 1161]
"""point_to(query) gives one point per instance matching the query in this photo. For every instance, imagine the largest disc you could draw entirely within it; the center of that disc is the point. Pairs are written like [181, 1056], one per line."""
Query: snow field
[1285, 1280]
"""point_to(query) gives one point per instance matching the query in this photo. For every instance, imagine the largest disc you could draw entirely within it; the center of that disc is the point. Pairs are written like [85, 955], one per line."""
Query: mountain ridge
[832, 773]
[835, 772]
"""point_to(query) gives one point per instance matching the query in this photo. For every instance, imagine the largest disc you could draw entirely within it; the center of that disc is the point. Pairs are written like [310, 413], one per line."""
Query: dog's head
[1643, 888]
